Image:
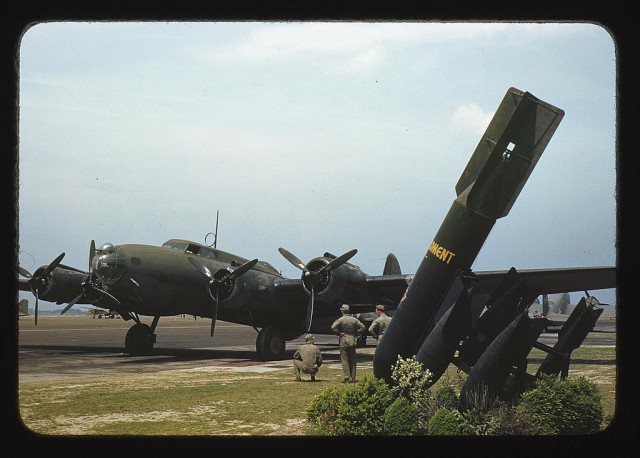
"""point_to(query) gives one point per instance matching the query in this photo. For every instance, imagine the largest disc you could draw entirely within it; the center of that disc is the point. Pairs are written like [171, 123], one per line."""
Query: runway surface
[63, 347]
[67, 347]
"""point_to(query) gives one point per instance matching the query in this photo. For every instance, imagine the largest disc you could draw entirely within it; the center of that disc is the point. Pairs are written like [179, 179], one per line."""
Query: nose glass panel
[109, 266]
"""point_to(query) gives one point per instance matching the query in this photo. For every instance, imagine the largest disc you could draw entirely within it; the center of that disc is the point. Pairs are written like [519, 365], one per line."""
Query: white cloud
[278, 41]
[470, 119]
[366, 61]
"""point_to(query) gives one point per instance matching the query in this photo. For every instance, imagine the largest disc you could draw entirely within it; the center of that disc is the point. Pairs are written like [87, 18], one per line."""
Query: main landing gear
[270, 343]
[140, 337]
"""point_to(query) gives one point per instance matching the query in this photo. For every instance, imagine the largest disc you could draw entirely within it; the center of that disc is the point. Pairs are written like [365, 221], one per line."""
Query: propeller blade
[201, 268]
[337, 262]
[52, 266]
[307, 325]
[24, 272]
[72, 303]
[24, 285]
[92, 253]
[244, 268]
[36, 310]
[218, 282]
[66, 267]
[214, 314]
[293, 259]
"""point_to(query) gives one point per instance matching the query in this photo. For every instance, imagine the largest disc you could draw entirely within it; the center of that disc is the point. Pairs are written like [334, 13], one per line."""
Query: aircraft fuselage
[160, 281]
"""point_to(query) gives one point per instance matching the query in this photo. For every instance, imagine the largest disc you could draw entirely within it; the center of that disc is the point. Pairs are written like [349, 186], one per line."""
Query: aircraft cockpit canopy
[216, 255]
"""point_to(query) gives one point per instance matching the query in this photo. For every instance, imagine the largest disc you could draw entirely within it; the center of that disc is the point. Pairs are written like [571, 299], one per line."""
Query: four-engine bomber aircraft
[184, 277]
[440, 301]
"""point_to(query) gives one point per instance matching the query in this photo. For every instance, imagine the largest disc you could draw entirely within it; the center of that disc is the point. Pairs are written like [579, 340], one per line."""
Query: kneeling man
[307, 359]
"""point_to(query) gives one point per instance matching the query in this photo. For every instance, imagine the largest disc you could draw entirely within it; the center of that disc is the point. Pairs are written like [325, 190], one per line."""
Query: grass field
[222, 403]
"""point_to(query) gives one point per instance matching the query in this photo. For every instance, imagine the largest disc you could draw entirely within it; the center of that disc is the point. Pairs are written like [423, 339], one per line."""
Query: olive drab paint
[492, 180]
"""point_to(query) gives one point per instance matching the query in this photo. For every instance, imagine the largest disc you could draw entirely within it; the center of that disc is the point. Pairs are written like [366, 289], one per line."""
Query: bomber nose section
[108, 263]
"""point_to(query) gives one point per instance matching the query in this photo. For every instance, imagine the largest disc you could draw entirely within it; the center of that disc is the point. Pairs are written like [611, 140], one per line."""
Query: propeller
[41, 280]
[217, 284]
[312, 278]
[89, 286]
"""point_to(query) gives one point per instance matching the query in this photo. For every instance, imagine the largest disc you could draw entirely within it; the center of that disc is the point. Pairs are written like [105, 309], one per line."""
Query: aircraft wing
[551, 281]
[387, 289]
[66, 267]
[391, 288]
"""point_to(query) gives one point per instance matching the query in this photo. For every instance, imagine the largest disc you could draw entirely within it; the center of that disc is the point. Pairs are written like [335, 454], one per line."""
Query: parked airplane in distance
[23, 307]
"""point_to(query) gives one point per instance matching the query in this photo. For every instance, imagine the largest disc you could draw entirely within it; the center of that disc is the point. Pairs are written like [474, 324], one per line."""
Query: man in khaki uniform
[380, 324]
[307, 359]
[348, 328]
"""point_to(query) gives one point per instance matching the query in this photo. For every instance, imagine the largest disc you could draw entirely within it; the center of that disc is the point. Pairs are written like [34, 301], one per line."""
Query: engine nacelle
[235, 292]
[341, 283]
[62, 285]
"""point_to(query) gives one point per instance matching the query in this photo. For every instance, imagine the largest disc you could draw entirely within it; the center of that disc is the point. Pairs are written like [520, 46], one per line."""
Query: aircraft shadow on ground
[159, 355]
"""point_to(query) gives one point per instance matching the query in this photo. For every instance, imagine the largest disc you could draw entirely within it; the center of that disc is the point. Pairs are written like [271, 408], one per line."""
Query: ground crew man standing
[307, 359]
[380, 324]
[348, 328]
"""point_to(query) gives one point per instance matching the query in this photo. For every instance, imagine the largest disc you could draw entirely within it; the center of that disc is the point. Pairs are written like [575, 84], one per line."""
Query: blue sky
[312, 136]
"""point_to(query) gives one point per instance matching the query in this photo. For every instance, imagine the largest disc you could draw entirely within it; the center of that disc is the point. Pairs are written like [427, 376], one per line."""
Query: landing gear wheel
[270, 344]
[361, 342]
[139, 340]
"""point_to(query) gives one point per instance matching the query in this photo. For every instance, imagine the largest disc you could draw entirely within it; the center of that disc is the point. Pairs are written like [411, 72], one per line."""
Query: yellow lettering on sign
[441, 252]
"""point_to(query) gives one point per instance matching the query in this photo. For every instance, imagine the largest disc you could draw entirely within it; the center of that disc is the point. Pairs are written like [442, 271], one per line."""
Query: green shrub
[569, 406]
[323, 410]
[371, 407]
[401, 418]
[445, 396]
[362, 406]
[446, 422]
[411, 379]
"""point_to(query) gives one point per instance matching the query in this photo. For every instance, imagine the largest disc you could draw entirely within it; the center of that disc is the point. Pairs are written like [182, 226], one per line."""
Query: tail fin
[391, 265]
[509, 150]
[23, 307]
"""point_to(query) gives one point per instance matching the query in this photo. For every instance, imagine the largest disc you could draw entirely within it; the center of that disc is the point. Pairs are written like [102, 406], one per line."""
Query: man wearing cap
[380, 324]
[307, 359]
[348, 328]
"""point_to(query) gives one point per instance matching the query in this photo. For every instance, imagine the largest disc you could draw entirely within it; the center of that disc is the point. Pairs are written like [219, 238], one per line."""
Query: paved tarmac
[64, 347]
[67, 347]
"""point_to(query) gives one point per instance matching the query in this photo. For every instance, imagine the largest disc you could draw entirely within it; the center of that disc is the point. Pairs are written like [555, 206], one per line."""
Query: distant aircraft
[557, 308]
[102, 313]
[23, 307]
[184, 277]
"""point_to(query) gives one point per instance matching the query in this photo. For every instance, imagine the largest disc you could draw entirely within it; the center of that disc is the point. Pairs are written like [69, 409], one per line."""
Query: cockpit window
[175, 245]
[192, 249]
[207, 253]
